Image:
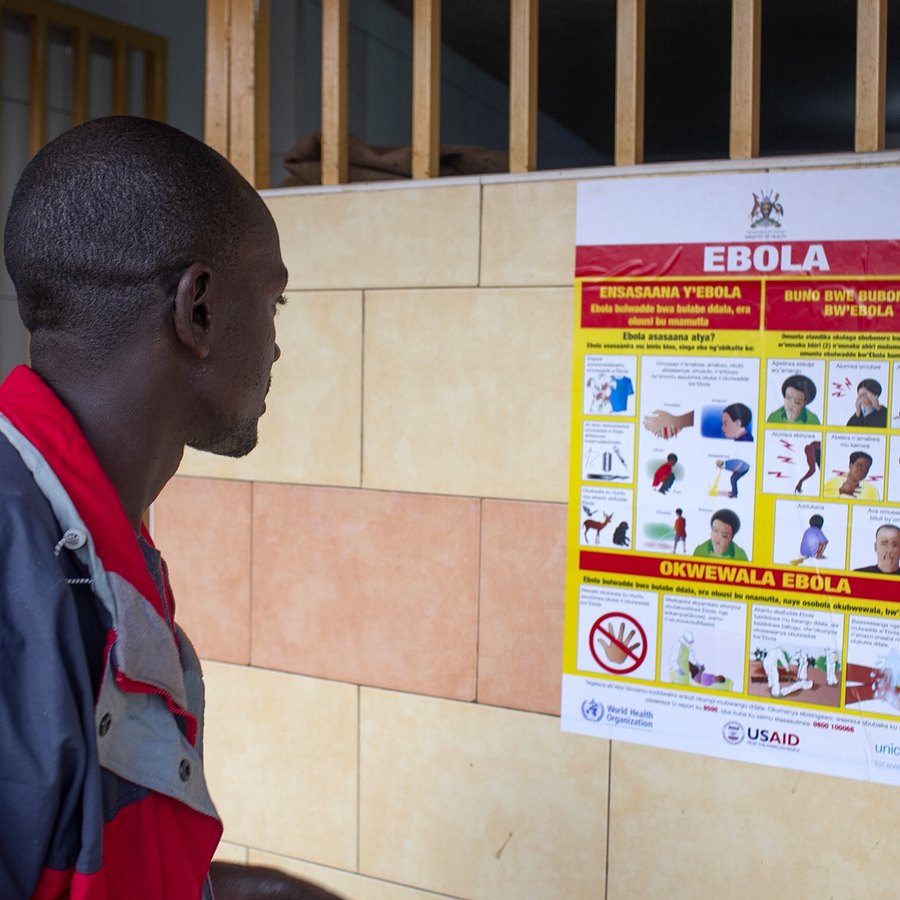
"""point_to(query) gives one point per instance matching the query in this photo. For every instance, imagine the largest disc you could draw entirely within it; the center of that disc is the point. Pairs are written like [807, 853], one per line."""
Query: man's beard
[235, 439]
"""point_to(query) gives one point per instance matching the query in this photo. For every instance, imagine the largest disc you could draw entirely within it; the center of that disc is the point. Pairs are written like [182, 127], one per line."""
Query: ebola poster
[733, 563]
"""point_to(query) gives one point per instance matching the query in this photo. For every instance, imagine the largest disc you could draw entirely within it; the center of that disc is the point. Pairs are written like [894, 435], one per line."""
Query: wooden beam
[746, 28]
[630, 43]
[81, 47]
[155, 89]
[871, 74]
[261, 95]
[119, 78]
[242, 94]
[216, 91]
[523, 85]
[426, 111]
[37, 100]
[69, 18]
[335, 28]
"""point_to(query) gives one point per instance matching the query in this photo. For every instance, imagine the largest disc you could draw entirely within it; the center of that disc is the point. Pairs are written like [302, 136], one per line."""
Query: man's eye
[281, 301]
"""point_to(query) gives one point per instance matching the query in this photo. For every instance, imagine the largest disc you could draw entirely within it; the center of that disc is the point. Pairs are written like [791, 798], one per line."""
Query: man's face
[887, 549]
[241, 362]
[794, 401]
[731, 428]
[867, 400]
[721, 534]
[859, 469]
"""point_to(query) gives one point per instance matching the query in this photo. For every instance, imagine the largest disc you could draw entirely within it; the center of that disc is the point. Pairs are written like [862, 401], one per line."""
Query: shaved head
[103, 221]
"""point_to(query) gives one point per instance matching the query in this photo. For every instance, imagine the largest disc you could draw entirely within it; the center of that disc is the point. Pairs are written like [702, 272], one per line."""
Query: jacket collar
[35, 410]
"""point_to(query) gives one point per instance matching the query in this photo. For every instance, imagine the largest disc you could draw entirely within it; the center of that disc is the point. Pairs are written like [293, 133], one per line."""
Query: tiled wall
[378, 589]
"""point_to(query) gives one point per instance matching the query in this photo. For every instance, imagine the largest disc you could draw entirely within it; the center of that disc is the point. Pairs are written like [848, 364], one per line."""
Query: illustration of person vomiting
[738, 469]
[852, 484]
[736, 418]
[868, 411]
[723, 526]
[798, 392]
[664, 476]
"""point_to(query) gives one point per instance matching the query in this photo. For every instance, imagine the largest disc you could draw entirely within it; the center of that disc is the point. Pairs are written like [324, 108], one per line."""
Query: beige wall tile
[310, 432]
[281, 762]
[365, 586]
[684, 826]
[344, 884]
[528, 233]
[226, 852]
[475, 801]
[202, 528]
[360, 238]
[520, 615]
[467, 392]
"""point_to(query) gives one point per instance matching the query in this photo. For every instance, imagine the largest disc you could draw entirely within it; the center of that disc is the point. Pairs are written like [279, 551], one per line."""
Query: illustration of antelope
[598, 526]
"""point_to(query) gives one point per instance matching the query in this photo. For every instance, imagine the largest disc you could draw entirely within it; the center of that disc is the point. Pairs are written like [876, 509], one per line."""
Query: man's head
[735, 420]
[887, 548]
[127, 236]
[816, 521]
[723, 526]
[797, 390]
[671, 459]
[870, 386]
[860, 463]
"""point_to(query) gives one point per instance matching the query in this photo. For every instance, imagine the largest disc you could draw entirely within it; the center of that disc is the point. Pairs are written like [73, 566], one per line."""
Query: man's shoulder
[874, 570]
[25, 513]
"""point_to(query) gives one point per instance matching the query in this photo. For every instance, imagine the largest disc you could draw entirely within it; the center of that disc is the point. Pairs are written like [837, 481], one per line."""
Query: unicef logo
[733, 732]
[592, 710]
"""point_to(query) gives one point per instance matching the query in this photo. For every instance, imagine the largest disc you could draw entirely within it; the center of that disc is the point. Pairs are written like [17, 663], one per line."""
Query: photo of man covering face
[887, 551]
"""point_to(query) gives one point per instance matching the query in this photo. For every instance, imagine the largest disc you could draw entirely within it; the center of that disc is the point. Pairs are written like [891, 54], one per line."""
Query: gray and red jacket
[102, 793]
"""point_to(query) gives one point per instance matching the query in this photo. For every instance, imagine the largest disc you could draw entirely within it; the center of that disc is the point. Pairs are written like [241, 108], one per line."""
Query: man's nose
[277, 353]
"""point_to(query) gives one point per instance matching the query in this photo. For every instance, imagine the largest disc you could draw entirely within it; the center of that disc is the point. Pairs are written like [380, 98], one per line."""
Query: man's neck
[122, 419]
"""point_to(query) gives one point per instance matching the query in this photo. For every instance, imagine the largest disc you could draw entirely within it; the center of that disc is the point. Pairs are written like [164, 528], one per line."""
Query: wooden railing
[85, 28]
[237, 79]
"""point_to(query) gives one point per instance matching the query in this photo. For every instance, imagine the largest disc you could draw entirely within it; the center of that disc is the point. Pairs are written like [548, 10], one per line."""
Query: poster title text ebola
[765, 258]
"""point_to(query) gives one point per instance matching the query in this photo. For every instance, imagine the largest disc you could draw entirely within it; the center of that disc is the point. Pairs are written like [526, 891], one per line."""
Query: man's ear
[192, 309]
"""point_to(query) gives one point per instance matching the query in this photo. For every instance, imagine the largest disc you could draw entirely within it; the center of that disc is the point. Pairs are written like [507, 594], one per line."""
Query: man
[682, 658]
[813, 542]
[738, 469]
[798, 392]
[813, 453]
[680, 528]
[149, 274]
[771, 661]
[867, 409]
[887, 551]
[736, 422]
[723, 526]
[664, 476]
[854, 483]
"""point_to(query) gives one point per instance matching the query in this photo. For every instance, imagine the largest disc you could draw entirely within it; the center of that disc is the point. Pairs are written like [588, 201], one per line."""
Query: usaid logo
[773, 738]
[592, 710]
[733, 732]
